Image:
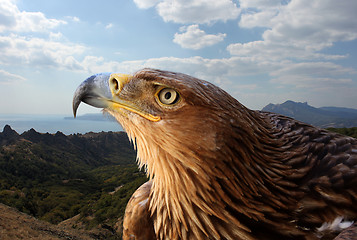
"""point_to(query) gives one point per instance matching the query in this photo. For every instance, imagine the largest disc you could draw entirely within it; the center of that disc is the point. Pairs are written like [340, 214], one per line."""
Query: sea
[53, 123]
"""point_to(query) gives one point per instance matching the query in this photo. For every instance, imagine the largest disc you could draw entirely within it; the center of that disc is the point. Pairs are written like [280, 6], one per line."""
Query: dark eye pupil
[167, 95]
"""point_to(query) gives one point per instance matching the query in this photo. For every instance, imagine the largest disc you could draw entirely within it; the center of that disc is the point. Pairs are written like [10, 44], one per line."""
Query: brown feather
[222, 171]
[137, 221]
[256, 175]
[348, 234]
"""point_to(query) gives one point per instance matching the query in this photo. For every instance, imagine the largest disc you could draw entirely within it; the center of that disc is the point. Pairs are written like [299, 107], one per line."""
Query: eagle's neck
[228, 187]
[186, 204]
[192, 196]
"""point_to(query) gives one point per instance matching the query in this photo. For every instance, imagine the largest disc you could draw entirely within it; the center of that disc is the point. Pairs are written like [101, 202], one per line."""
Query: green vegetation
[352, 132]
[56, 177]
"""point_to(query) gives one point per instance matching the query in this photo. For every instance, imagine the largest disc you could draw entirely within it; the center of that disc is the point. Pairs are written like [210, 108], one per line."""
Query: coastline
[53, 123]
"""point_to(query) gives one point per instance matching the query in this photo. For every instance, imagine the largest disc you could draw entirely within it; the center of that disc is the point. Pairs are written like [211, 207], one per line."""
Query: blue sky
[260, 51]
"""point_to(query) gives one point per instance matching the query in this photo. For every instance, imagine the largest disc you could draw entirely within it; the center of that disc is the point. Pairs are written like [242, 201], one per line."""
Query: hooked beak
[102, 91]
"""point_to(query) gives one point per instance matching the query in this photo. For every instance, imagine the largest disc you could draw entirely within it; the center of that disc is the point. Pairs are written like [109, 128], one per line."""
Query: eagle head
[165, 113]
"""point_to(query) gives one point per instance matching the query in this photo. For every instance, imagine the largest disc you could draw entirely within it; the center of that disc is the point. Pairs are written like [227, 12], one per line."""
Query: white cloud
[195, 38]
[108, 26]
[313, 69]
[295, 36]
[246, 86]
[299, 29]
[38, 52]
[278, 51]
[55, 36]
[19, 50]
[313, 75]
[258, 19]
[146, 3]
[219, 71]
[12, 19]
[193, 11]
[9, 78]
[259, 4]
[74, 19]
[325, 90]
[312, 83]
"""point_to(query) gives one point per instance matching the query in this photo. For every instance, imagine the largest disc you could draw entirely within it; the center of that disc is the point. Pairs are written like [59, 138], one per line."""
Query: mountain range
[81, 181]
[324, 117]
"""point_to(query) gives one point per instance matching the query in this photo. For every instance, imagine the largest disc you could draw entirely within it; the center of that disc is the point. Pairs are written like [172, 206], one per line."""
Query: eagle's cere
[221, 171]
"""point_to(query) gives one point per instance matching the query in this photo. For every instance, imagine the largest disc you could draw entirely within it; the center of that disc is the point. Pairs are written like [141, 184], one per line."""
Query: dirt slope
[17, 225]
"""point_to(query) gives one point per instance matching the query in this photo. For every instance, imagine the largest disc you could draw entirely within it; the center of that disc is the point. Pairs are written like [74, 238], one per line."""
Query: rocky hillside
[18, 225]
[82, 180]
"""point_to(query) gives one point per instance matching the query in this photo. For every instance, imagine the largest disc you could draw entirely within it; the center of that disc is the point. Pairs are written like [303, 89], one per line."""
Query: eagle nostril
[115, 84]
[117, 81]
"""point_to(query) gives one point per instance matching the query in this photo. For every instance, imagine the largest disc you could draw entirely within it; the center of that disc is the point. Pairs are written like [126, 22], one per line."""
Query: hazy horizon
[66, 123]
[53, 123]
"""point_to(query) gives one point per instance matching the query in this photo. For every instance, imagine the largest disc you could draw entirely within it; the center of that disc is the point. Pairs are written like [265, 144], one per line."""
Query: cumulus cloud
[146, 3]
[108, 26]
[12, 19]
[195, 38]
[258, 19]
[259, 4]
[313, 75]
[17, 47]
[278, 51]
[73, 19]
[314, 69]
[192, 11]
[18, 50]
[55, 36]
[299, 29]
[9, 78]
[296, 34]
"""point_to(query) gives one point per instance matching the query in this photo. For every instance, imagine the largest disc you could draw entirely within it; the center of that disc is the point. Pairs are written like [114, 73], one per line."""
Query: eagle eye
[168, 96]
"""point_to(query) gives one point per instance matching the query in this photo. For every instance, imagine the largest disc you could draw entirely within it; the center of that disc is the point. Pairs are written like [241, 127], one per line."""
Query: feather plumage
[221, 171]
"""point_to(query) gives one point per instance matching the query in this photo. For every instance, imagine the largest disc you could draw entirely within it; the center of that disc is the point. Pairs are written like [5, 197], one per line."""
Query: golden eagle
[219, 170]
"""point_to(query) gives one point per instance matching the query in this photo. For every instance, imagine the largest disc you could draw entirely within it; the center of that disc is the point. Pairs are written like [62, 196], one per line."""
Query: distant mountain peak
[8, 131]
[8, 135]
[321, 117]
[32, 135]
[60, 134]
